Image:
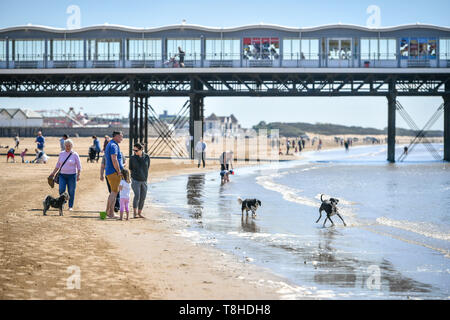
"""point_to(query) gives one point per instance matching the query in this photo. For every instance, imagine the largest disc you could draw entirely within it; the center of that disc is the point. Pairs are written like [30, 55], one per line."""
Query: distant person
[62, 140]
[96, 144]
[10, 155]
[405, 150]
[226, 161]
[139, 167]
[105, 142]
[113, 169]
[17, 141]
[40, 140]
[299, 145]
[200, 149]
[41, 157]
[69, 165]
[319, 145]
[181, 55]
[303, 143]
[23, 154]
[346, 145]
[288, 145]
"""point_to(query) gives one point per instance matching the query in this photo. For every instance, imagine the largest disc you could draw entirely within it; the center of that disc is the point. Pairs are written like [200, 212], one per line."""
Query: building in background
[20, 118]
[222, 126]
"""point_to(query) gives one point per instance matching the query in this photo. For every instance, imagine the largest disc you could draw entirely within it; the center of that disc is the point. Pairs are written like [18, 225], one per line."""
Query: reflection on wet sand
[194, 193]
[248, 224]
[348, 272]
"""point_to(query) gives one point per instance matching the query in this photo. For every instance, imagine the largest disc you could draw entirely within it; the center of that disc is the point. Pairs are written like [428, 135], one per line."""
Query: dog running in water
[330, 207]
[56, 203]
[249, 205]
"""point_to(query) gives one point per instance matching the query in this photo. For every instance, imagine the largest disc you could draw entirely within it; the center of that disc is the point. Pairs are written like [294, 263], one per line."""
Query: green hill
[299, 128]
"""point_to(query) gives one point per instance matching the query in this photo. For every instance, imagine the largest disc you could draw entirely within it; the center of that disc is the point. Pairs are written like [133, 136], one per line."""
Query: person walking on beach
[124, 188]
[226, 161]
[70, 165]
[62, 140]
[200, 149]
[319, 145]
[105, 142]
[17, 141]
[97, 147]
[288, 145]
[40, 140]
[113, 169]
[139, 166]
[299, 145]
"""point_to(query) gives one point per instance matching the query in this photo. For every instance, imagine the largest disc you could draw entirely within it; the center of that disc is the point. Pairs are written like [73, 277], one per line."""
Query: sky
[366, 112]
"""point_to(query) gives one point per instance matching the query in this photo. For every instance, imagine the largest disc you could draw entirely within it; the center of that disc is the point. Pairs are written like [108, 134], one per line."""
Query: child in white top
[124, 189]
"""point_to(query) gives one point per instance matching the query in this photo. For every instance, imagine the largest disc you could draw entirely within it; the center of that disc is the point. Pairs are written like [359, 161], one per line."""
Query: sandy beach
[137, 259]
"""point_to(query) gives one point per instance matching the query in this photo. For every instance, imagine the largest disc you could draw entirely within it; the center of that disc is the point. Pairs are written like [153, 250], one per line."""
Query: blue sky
[348, 111]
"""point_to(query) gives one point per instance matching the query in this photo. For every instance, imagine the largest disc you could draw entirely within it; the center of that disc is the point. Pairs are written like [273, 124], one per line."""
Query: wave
[292, 194]
[423, 228]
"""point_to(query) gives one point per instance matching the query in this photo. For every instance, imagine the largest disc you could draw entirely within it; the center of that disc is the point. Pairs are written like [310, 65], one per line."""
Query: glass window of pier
[418, 48]
[27, 50]
[104, 50]
[261, 48]
[144, 49]
[2, 50]
[300, 49]
[62, 50]
[339, 49]
[191, 47]
[444, 49]
[223, 49]
[378, 49]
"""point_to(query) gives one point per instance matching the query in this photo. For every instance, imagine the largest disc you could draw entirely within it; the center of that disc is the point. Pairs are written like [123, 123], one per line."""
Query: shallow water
[398, 221]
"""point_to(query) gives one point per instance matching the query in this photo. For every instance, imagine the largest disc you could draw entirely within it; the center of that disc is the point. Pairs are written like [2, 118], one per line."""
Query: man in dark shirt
[139, 166]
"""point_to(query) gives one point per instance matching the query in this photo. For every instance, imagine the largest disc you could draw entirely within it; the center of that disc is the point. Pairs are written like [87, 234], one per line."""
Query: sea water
[396, 244]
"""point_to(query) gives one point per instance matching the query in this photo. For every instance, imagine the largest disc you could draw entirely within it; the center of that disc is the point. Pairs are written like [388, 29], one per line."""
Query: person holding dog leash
[69, 166]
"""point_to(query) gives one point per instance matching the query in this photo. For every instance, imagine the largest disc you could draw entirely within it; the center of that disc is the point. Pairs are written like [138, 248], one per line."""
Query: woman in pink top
[70, 171]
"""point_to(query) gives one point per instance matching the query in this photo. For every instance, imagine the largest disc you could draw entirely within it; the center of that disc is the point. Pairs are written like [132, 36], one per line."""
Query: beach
[136, 259]
[165, 256]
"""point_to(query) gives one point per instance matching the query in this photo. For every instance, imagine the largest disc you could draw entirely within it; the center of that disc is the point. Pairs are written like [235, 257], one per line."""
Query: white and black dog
[56, 203]
[330, 207]
[249, 205]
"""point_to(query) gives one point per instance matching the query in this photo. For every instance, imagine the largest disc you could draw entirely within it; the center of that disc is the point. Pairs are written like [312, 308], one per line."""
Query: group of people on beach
[41, 157]
[119, 179]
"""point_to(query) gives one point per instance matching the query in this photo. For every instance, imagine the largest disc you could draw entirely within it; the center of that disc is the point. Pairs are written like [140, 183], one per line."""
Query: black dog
[330, 207]
[249, 205]
[56, 203]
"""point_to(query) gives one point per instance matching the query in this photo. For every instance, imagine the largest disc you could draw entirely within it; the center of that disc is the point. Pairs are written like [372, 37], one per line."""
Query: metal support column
[196, 118]
[146, 124]
[141, 119]
[447, 122]
[136, 118]
[392, 107]
[131, 129]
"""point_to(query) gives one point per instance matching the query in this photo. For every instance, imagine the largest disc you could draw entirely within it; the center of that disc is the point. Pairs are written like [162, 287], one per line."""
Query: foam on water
[423, 228]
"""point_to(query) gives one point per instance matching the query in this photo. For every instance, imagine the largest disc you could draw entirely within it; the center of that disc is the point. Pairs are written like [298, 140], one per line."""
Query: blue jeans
[69, 180]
